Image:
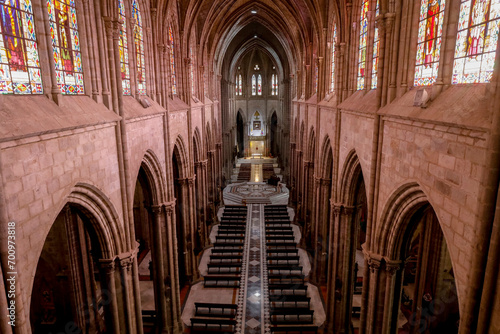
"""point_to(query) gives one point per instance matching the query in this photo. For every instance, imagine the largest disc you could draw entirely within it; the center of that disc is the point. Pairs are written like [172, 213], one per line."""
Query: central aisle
[253, 313]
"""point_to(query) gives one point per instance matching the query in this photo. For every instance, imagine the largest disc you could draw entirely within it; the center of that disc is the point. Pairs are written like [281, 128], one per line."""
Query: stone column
[333, 295]
[192, 225]
[391, 268]
[173, 282]
[186, 223]
[158, 265]
[321, 229]
[201, 195]
[374, 262]
[112, 318]
[125, 266]
[345, 269]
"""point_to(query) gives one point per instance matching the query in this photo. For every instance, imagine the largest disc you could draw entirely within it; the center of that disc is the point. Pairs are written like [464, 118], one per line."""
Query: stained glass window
[19, 63]
[430, 30]
[172, 60]
[334, 42]
[274, 84]
[254, 85]
[191, 70]
[259, 85]
[66, 46]
[123, 48]
[477, 40]
[139, 48]
[240, 86]
[363, 36]
[376, 46]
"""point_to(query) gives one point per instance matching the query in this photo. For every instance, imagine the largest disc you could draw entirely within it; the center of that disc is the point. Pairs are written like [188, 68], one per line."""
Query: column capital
[125, 260]
[321, 181]
[347, 210]
[108, 265]
[392, 267]
[308, 164]
[156, 209]
[169, 206]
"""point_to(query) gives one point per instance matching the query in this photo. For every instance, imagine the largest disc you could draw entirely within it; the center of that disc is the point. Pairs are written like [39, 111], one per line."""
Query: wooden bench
[278, 233]
[223, 245]
[214, 281]
[284, 269]
[215, 310]
[275, 244]
[279, 228]
[292, 316]
[294, 329]
[282, 252]
[228, 239]
[212, 325]
[225, 258]
[290, 260]
[218, 251]
[286, 279]
[219, 244]
[222, 269]
[290, 301]
[230, 233]
[288, 289]
[232, 227]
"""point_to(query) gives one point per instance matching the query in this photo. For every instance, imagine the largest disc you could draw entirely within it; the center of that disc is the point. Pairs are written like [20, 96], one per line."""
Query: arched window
[19, 63]
[172, 60]
[254, 85]
[477, 40]
[240, 86]
[66, 46]
[123, 48]
[274, 84]
[334, 42]
[363, 36]
[139, 48]
[430, 30]
[259, 83]
[376, 46]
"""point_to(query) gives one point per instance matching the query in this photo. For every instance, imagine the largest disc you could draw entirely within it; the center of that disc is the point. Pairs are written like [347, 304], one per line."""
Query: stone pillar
[321, 227]
[173, 282]
[201, 195]
[333, 295]
[125, 266]
[112, 318]
[186, 223]
[158, 265]
[192, 225]
[391, 268]
[374, 262]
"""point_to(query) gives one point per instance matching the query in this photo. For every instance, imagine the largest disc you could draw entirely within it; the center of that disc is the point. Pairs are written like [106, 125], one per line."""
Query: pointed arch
[104, 218]
[394, 220]
[326, 156]
[198, 145]
[311, 146]
[181, 154]
[349, 178]
[156, 179]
